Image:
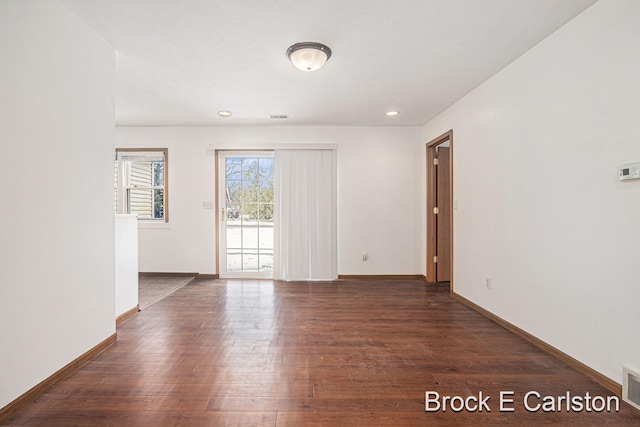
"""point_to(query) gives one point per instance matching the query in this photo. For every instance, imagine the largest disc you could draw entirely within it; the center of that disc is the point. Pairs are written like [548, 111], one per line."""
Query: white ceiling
[179, 62]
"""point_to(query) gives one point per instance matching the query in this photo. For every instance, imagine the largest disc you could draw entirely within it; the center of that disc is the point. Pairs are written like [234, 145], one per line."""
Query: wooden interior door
[439, 225]
[443, 226]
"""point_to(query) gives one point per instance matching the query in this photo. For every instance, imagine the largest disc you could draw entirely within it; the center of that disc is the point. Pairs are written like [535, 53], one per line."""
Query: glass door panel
[246, 226]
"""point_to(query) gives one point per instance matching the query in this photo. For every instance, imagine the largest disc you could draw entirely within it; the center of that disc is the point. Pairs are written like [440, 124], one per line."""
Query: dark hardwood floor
[347, 353]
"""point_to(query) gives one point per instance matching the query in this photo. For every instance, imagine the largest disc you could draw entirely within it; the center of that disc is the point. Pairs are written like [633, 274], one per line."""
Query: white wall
[541, 211]
[126, 263]
[56, 187]
[376, 203]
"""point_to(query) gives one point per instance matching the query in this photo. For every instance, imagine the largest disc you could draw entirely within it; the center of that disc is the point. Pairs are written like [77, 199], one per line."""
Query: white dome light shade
[308, 56]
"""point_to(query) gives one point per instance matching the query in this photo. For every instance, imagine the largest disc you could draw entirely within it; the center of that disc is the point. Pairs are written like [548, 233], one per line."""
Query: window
[141, 183]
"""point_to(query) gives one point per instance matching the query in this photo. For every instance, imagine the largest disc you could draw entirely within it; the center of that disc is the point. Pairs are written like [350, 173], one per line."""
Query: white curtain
[305, 215]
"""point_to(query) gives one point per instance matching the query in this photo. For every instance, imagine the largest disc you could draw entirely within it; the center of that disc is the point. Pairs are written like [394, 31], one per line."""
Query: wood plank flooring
[346, 353]
[152, 289]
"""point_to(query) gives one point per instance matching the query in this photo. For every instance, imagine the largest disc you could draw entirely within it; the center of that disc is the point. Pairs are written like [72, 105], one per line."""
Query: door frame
[431, 202]
[220, 217]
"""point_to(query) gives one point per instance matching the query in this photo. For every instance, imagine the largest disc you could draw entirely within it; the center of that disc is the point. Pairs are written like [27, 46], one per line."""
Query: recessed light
[392, 113]
[224, 113]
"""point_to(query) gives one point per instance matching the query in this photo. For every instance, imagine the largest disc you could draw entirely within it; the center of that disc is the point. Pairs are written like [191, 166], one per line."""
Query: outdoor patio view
[249, 214]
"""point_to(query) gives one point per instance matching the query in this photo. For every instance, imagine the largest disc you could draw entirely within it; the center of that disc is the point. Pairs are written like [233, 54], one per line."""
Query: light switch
[629, 171]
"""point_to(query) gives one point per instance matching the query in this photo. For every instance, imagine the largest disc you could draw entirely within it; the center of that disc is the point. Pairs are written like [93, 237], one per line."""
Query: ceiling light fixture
[308, 56]
[392, 113]
[224, 113]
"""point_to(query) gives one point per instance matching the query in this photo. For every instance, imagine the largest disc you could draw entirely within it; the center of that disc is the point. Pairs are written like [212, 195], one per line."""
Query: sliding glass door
[246, 222]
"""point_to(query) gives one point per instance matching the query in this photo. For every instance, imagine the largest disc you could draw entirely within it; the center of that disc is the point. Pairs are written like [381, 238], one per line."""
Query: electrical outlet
[487, 283]
[365, 256]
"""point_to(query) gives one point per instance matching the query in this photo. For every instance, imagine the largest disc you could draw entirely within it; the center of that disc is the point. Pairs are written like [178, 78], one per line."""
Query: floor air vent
[631, 387]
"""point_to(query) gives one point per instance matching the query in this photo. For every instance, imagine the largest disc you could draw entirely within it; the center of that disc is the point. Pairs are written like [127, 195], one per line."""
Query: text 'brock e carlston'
[532, 402]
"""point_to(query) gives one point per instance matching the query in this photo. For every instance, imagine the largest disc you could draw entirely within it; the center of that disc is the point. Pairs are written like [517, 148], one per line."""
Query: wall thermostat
[629, 171]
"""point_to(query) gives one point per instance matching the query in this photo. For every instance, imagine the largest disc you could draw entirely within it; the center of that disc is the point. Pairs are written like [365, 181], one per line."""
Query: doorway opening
[440, 209]
[245, 214]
